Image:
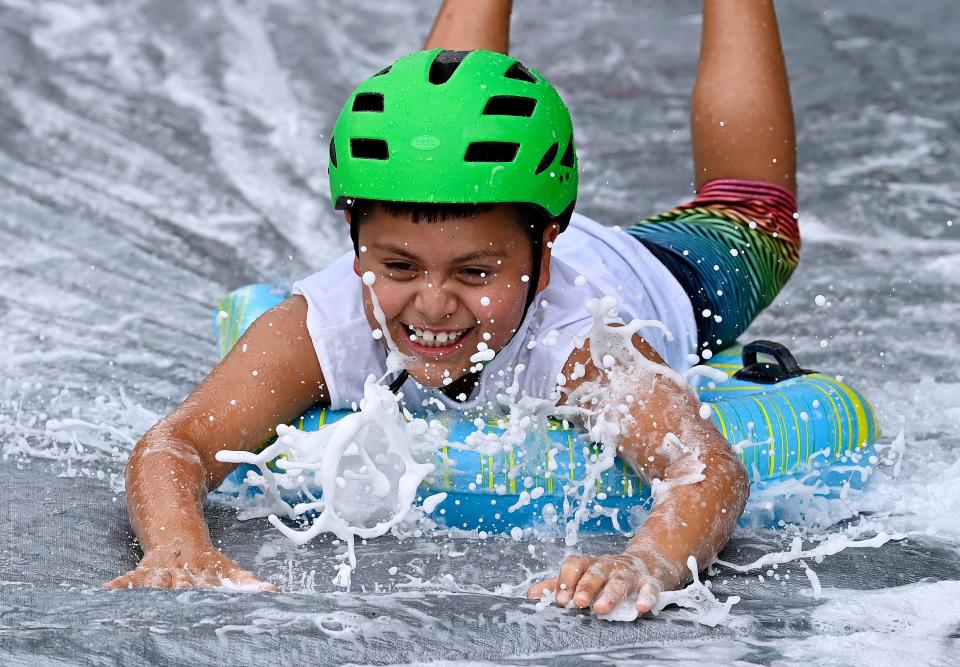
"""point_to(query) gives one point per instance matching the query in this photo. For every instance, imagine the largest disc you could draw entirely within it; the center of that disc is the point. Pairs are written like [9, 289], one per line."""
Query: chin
[432, 377]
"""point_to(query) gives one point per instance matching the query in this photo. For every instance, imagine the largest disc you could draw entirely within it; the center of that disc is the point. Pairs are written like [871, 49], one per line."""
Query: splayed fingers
[240, 578]
[181, 578]
[205, 568]
[602, 584]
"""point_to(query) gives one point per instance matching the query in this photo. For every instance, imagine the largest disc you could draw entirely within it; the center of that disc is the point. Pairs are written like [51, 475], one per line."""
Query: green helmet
[455, 127]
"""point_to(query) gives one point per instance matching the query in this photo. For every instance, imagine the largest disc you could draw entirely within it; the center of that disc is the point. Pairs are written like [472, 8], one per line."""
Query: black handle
[764, 373]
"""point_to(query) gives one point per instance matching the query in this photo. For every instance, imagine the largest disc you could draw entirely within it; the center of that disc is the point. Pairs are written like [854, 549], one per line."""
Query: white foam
[396, 360]
[368, 465]
[898, 625]
[832, 543]
[697, 604]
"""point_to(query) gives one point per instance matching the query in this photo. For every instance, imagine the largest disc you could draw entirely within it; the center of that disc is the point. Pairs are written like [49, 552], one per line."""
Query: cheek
[390, 297]
[505, 309]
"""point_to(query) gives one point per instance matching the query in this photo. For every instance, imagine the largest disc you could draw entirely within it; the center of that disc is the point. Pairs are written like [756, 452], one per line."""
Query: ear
[549, 237]
[356, 266]
[348, 216]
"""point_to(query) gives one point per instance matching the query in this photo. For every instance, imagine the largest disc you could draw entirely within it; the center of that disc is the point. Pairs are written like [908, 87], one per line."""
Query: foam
[370, 463]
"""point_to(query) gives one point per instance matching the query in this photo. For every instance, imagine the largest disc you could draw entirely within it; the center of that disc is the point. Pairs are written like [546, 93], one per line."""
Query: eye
[399, 266]
[475, 274]
[399, 270]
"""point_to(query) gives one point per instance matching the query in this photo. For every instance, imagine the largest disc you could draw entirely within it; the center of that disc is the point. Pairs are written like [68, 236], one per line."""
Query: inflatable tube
[785, 423]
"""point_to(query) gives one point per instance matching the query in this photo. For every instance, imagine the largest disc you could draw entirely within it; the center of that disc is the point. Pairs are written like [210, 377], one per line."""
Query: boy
[464, 243]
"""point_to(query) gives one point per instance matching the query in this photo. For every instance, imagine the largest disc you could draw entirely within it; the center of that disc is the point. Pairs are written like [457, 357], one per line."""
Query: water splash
[368, 466]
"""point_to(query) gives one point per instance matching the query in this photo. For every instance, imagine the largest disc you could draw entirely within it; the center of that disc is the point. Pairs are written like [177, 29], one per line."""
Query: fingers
[537, 591]
[580, 580]
[141, 578]
[182, 578]
[592, 581]
[571, 572]
[160, 579]
[132, 579]
[648, 597]
[602, 584]
[618, 588]
[123, 581]
[246, 578]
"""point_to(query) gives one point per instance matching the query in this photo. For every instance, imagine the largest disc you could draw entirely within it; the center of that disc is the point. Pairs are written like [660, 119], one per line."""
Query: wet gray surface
[154, 155]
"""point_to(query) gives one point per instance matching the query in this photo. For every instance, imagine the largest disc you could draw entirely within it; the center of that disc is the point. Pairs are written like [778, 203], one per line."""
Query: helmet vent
[547, 158]
[491, 151]
[444, 65]
[368, 102]
[521, 73]
[333, 153]
[567, 159]
[510, 105]
[383, 71]
[369, 149]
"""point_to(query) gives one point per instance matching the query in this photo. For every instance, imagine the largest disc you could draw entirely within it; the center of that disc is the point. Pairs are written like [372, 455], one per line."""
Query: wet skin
[434, 275]
[466, 276]
[272, 375]
[174, 465]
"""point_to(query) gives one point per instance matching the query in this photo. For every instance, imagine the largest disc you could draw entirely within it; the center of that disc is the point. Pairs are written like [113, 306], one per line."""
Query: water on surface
[155, 154]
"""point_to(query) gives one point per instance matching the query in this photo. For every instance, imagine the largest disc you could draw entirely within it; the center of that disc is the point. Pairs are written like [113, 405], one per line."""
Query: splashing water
[368, 465]
[396, 360]
[697, 603]
[605, 406]
[831, 544]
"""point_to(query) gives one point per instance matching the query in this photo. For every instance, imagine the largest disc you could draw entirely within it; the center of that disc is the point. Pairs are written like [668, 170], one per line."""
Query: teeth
[435, 339]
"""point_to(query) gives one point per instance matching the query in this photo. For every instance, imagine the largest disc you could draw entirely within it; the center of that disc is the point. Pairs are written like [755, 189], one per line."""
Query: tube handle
[785, 366]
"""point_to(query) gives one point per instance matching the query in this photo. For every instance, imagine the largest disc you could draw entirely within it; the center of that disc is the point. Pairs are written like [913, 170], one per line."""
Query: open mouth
[434, 341]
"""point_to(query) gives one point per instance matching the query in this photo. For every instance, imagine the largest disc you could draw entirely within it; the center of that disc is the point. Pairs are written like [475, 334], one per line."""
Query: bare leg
[742, 119]
[464, 25]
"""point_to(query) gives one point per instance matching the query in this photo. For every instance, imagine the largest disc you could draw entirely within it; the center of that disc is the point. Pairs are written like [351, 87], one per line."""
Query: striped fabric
[732, 249]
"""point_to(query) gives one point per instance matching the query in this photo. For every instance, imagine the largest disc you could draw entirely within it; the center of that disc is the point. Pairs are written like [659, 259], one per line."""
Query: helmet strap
[355, 236]
[537, 247]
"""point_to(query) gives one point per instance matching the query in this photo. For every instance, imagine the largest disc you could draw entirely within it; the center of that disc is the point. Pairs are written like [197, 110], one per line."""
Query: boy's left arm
[702, 490]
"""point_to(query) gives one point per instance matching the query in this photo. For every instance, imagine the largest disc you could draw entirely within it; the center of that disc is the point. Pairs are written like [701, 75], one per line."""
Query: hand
[602, 583]
[188, 567]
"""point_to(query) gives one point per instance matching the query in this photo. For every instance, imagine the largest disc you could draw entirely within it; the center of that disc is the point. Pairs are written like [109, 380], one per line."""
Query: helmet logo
[425, 142]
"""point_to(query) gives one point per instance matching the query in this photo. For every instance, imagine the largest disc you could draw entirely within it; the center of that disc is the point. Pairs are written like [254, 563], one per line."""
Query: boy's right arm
[269, 377]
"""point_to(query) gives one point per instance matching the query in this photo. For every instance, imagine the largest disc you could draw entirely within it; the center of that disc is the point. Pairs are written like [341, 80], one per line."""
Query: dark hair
[531, 219]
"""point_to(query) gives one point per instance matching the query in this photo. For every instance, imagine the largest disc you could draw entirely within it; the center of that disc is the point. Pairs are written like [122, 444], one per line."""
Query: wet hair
[531, 220]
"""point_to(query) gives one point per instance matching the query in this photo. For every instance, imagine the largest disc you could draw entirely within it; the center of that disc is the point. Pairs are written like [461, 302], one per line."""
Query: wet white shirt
[613, 263]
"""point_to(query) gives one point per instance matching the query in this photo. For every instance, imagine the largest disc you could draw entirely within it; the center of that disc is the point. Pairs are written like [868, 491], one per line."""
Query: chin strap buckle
[398, 381]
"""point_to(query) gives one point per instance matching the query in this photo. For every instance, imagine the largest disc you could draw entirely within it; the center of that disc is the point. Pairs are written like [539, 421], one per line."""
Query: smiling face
[449, 287]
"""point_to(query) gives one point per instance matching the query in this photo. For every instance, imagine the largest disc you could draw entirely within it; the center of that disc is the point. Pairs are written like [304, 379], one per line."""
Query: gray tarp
[153, 155]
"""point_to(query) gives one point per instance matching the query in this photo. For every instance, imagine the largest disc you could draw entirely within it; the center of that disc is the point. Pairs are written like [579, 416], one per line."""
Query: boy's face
[445, 287]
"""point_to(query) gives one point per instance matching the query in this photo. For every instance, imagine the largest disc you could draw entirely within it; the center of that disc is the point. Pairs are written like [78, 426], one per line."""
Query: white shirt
[614, 263]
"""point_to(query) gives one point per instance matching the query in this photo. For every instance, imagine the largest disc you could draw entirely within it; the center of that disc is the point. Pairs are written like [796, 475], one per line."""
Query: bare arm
[269, 377]
[666, 440]
[464, 25]
[741, 118]
[691, 518]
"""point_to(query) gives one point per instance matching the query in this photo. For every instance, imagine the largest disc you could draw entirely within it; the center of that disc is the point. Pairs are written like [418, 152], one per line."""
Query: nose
[434, 301]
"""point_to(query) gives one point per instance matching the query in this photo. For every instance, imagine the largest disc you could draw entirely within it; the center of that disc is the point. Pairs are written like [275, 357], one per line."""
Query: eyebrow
[469, 257]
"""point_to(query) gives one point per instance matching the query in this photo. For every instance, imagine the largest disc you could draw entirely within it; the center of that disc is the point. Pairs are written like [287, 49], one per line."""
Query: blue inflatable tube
[785, 423]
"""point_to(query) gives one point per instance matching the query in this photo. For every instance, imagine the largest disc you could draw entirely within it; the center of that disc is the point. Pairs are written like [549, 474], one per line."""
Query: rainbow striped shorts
[732, 248]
